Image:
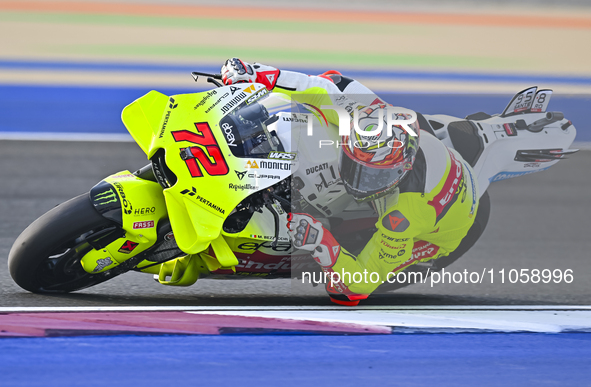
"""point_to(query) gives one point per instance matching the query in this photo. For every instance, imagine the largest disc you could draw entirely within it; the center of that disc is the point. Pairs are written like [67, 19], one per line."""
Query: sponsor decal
[282, 265]
[531, 165]
[422, 250]
[451, 189]
[262, 92]
[204, 99]
[316, 168]
[251, 164]
[268, 237]
[387, 256]
[160, 176]
[217, 102]
[128, 247]
[242, 187]
[395, 221]
[233, 89]
[240, 174]
[102, 263]
[123, 176]
[275, 165]
[172, 104]
[164, 122]
[234, 102]
[402, 246]
[282, 155]
[509, 175]
[254, 246]
[193, 192]
[249, 89]
[257, 176]
[144, 211]
[302, 118]
[106, 197]
[127, 207]
[394, 239]
[474, 197]
[144, 224]
[228, 131]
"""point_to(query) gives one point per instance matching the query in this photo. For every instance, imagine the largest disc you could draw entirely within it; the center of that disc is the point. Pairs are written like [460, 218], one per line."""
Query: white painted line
[405, 319]
[582, 145]
[442, 320]
[402, 308]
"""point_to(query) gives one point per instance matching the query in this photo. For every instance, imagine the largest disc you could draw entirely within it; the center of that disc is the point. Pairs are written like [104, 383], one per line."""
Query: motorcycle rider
[425, 194]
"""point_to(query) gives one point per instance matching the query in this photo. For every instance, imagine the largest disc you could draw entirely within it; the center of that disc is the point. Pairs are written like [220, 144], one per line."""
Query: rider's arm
[331, 82]
[389, 249]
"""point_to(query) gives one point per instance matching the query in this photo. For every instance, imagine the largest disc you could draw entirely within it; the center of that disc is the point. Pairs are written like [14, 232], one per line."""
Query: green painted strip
[214, 24]
[296, 56]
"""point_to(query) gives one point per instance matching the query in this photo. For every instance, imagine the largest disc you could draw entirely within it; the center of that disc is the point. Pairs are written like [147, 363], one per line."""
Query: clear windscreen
[247, 127]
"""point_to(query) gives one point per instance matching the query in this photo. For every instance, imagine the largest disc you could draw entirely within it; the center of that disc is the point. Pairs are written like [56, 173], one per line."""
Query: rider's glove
[236, 71]
[308, 234]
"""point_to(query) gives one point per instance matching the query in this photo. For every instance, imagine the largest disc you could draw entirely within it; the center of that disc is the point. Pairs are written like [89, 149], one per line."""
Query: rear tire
[45, 258]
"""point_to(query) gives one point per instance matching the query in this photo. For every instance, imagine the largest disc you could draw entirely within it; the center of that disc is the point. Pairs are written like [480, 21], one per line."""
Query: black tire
[45, 258]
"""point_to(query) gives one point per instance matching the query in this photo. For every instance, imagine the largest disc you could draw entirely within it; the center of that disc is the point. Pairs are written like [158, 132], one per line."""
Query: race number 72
[208, 154]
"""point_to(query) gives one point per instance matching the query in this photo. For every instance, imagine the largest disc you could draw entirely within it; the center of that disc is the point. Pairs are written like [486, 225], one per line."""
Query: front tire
[45, 258]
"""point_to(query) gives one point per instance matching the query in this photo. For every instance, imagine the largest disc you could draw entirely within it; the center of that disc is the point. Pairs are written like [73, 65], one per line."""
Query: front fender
[135, 204]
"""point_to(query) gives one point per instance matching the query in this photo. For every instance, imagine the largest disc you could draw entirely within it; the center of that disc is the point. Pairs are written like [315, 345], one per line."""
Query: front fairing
[212, 183]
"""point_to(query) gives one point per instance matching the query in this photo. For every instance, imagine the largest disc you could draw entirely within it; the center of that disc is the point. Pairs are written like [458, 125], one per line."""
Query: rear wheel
[45, 258]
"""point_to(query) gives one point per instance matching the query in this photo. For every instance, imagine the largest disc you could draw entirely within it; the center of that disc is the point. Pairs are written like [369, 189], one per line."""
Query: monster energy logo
[105, 198]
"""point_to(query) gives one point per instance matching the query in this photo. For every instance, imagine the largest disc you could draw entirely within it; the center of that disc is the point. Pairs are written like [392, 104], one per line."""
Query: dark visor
[362, 181]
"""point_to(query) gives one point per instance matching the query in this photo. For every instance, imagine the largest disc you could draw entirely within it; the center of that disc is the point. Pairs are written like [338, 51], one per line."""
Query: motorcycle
[213, 200]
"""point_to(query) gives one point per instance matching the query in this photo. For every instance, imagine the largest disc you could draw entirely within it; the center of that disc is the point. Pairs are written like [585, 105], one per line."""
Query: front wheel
[45, 258]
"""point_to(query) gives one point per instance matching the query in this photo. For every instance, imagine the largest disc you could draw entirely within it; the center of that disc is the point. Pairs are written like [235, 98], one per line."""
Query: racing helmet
[372, 166]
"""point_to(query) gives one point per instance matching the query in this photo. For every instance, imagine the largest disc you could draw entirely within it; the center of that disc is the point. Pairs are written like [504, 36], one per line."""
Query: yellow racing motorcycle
[213, 201]
[227, 165]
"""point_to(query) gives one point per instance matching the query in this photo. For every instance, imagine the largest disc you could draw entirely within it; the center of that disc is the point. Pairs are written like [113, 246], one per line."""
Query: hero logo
[144, 211]
[146, 224]
[229, 133]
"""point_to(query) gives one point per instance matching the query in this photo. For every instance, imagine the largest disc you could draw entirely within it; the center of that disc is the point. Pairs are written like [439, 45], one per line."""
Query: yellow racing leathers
[426, 218]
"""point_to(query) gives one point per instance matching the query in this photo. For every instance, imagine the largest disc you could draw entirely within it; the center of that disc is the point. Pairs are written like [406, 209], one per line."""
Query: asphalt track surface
[539, 221]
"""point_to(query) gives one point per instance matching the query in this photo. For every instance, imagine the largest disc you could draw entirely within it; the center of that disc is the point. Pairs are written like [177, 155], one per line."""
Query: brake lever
[196, 75]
